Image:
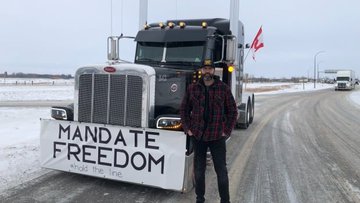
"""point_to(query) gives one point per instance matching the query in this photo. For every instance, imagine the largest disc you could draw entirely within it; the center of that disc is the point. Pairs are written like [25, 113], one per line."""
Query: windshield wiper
[184, 63]
[148, 60]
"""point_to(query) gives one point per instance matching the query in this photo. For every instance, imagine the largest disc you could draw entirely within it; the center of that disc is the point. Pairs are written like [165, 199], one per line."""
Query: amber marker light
[204, 24]
[171, 25]
[231, 69]
[182, 24]
[146, 26]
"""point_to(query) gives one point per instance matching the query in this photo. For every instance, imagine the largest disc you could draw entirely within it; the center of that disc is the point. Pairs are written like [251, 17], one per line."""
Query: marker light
[146, 26]
[161, 25]
[231, 69]
[182, 24]
[204, 24]
[171, 25]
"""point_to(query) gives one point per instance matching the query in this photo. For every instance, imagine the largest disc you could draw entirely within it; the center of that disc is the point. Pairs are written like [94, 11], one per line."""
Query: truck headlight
[61, 113]
[169, 123]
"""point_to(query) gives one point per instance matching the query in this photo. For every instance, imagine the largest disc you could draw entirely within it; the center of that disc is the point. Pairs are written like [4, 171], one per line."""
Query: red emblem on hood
[110, 69]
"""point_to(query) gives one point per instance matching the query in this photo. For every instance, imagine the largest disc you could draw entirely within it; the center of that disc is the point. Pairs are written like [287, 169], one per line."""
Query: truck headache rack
[110, 99]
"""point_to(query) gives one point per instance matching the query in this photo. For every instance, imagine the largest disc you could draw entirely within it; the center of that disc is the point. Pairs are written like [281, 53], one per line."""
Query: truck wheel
[252, 112]
[247, 118]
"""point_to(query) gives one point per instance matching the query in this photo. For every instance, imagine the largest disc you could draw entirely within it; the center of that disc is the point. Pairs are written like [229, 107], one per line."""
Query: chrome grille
[117, 99]
[134, 91]
[85, 95]
[103, 99]
[100, 98]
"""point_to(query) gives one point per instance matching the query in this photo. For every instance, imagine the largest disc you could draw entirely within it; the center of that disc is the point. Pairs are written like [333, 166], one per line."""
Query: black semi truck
[125, 124]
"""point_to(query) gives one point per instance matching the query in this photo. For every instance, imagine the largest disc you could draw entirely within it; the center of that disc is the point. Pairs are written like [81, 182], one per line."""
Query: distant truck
[345, 80]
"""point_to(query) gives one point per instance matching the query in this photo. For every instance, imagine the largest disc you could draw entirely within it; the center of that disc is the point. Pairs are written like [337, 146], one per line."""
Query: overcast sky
[42, 36]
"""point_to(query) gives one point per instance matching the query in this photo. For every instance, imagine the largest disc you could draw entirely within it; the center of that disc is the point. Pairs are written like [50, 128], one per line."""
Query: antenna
[176, 9]
[122, 16]
[111, 17]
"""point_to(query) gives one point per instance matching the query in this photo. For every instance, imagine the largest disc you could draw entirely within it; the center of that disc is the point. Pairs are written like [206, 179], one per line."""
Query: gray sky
[42, 36]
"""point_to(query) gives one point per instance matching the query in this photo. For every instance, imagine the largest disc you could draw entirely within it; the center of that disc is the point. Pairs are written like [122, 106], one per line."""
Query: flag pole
[247, 55]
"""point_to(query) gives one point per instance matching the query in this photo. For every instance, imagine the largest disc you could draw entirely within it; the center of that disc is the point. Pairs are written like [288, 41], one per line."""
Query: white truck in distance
[345, 80]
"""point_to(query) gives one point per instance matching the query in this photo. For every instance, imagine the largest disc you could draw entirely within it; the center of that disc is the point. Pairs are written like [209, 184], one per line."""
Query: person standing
[208, 115]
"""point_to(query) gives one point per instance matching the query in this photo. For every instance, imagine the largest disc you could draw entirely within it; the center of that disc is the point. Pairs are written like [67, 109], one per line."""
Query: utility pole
[319, 52]
[318, 70]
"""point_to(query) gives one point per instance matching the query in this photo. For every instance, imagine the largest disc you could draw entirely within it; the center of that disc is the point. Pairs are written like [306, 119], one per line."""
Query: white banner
[137, 155]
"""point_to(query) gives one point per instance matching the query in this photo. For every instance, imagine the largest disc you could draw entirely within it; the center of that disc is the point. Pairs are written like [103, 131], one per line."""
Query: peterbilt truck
[345, 80]
[124, 124]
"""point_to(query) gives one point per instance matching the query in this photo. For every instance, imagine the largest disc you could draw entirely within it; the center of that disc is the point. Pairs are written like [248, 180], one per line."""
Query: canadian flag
[257, 43]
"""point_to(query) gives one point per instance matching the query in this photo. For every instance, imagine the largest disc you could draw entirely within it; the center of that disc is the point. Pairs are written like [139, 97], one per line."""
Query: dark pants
[218, 153]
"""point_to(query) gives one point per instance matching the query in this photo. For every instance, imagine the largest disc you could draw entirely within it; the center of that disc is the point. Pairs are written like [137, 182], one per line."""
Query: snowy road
[302, 147]
[306, 150]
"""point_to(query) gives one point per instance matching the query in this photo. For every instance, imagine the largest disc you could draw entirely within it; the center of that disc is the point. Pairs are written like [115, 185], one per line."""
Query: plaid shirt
[222, 111]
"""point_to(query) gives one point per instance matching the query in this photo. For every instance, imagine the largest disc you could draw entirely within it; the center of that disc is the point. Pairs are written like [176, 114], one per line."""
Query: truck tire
[247, 118]
[252, 112]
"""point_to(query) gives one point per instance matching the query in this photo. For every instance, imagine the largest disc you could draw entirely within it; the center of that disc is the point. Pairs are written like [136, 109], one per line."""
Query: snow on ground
[36, 89]
[20, 127]
[278, 88]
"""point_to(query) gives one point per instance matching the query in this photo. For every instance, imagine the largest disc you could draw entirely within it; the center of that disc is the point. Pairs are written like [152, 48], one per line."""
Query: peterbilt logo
[110, 69]
[174, 88]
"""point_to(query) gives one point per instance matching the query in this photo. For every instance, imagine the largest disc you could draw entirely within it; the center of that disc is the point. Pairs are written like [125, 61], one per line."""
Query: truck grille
[341, 85]
[110, 99]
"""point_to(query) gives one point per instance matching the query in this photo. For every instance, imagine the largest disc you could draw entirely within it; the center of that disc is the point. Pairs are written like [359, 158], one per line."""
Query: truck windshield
[149, 51]
[184, 52]
[343, 79]
[174, 52]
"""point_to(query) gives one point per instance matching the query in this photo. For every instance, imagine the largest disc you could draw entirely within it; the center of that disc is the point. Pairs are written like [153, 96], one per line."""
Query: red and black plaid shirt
[222, 111]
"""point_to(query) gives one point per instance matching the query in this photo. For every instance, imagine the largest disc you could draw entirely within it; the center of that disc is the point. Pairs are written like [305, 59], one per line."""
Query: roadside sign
[331, 71]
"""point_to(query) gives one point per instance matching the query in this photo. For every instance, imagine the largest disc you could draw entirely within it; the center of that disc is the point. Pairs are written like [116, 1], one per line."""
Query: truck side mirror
[113, 48]
[231, 50]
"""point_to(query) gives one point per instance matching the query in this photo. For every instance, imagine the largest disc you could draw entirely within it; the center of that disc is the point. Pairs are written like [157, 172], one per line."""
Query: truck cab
[177, 48]
[148, 92]
[345, 80]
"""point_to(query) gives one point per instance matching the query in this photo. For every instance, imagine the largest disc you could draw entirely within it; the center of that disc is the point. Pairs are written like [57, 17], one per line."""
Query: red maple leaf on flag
[257, 43]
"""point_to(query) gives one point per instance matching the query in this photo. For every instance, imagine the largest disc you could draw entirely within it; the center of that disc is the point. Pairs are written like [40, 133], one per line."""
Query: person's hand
[190, 133]
[224, 135]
